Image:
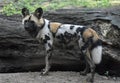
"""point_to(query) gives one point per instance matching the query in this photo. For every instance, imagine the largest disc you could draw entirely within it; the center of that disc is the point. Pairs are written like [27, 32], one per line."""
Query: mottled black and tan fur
[45, 31]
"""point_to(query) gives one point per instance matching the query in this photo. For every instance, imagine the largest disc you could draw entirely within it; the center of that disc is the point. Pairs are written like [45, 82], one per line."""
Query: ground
[53, 77]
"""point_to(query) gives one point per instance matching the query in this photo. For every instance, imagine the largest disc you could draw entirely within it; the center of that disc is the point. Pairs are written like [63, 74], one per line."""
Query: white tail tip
[97, 54]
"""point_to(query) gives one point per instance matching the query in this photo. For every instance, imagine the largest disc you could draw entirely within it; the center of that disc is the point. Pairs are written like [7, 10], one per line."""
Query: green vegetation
[15, 6]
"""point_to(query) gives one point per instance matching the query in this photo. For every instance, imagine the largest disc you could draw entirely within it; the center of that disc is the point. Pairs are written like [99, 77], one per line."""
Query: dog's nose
[26, 27]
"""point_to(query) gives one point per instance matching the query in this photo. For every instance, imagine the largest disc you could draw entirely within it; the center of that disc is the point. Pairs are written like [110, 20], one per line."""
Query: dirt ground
[53, 77]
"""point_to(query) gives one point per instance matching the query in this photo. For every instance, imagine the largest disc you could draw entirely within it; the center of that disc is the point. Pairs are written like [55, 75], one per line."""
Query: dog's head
[32, 21]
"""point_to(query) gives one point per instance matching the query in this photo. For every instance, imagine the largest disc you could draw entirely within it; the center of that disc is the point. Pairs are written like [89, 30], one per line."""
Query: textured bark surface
[19, 52]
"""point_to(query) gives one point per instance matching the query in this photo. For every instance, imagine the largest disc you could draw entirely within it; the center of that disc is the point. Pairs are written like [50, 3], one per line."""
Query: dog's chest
[44, 36]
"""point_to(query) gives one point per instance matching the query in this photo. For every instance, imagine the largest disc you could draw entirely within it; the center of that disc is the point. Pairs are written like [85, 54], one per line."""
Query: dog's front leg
[48, 47]
[47, 63]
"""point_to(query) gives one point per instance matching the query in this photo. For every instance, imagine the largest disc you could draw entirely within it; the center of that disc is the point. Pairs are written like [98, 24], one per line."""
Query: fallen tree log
[19, 52]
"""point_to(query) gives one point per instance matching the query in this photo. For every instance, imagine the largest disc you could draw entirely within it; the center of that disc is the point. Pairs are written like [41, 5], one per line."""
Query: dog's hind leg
[84, 47]
[86, 70]
[91, 64]
[85, 50]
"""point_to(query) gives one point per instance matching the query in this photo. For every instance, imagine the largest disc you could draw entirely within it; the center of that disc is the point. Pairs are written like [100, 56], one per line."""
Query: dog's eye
[31, 21]
[26, 21]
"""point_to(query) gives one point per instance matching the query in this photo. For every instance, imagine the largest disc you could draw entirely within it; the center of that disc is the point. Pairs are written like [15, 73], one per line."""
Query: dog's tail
[94, 43]
[96, 51]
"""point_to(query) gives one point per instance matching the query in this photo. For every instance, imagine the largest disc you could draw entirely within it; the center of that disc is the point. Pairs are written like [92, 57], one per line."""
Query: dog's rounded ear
[25, 12]
[38, 12]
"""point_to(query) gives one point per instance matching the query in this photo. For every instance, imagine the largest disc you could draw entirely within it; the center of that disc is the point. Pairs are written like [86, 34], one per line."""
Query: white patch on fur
[66, 28]
[80, 42]
[45, 31]
[97, 54]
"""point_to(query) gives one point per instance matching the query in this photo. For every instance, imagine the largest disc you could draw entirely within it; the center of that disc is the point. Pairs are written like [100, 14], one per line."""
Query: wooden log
[19, 52]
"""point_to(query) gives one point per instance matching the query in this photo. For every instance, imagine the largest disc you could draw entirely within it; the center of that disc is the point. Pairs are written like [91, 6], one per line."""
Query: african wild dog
[45, 31]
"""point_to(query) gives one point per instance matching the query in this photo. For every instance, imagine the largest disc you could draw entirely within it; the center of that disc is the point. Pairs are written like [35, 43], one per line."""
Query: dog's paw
[43, 72]
[89, 79]
[83, 73]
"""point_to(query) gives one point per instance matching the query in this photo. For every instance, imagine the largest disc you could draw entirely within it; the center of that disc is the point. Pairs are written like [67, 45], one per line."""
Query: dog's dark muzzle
[29, 26]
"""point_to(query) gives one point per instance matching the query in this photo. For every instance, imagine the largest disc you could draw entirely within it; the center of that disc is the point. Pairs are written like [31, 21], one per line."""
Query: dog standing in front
[45, 32]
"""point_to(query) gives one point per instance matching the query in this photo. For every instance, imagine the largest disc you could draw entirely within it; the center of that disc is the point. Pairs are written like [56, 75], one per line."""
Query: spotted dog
[45, 31]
